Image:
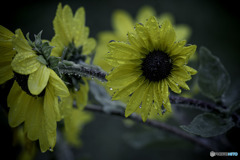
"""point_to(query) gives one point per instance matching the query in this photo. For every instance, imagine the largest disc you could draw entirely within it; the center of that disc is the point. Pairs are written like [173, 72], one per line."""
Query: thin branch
[198, 104]
[156, 124]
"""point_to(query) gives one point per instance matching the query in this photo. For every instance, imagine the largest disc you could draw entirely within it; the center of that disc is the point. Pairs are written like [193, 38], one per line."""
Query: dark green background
[215, 24]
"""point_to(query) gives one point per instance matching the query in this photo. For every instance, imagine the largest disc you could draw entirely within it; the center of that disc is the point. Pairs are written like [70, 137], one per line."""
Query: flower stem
[82, 70]
[156, 124]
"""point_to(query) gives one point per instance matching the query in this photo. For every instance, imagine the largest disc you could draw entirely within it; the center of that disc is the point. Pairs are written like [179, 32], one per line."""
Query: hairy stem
[82, 70]
[156, 124]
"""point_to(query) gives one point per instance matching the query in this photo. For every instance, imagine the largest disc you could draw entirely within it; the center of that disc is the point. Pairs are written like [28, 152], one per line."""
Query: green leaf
[208, 125]
[213, 78]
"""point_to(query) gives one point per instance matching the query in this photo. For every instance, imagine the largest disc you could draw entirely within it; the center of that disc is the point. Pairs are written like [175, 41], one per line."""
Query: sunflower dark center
[22, 81]
[156, 66]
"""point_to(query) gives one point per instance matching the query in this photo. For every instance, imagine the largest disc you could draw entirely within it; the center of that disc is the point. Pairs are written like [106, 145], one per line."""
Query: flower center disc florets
[156, 66]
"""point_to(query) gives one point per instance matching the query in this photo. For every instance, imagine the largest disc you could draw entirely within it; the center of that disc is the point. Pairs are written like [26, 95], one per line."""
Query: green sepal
[38, 40]
[53, 61]
[42, 60]
[46, 49]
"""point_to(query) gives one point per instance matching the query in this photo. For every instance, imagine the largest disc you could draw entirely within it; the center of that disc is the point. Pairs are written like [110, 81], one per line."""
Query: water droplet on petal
[110, 89]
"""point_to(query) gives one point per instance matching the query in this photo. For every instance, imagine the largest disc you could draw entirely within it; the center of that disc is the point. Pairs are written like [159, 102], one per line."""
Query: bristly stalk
[82, 70]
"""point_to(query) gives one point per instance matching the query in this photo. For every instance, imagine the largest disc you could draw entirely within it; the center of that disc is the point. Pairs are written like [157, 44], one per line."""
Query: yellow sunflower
[147, 65]
[122, 23]
[34, 96]
[7, 53]
[71, 43]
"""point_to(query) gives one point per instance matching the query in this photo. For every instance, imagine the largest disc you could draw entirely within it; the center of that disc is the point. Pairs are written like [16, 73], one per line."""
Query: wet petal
[38, 80]
[25, 63]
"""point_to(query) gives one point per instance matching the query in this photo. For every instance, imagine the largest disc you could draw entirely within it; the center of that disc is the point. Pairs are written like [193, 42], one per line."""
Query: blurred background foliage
[215, 24]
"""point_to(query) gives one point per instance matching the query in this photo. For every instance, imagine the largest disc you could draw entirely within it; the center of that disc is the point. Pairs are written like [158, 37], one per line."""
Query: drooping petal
[174, 86]
[18, 101]
[135, 100]
[147, 102]
[6, 72]
[60, 89]
[25, 63]
[38, 80]
[190, 70]
[50, 115]
[33, 120]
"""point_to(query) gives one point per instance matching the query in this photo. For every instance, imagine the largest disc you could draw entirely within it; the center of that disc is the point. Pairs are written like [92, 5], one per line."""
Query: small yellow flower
[34, 96]
[123, 23]
[6, 53]
[71, 42]
[147, 65]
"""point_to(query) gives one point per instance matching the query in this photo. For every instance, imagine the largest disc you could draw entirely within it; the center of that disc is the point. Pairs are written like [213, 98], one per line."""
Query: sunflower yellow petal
[67, 18]
[89, 46]
[5, 34]
[167, 105]
[60, 89]
[143, 34]
[43, 139]
[144, 13]
[158, 96]
[190, 70]
[81, 96]
[137, 44]
[167, 35]
[33, 119]
[60, 28]
[182, 32]
[127, 90]
[6, 72]
[179, 82]
[147, 102]
[20, 43]
[18, 102]
[163, 87]
[154, 31]
[80, 31]
[25, 63]
[50, 115]
[123, 50]
[174, 86]
[38, 80]
[122, 22]
[135, 100]
[128, 75]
